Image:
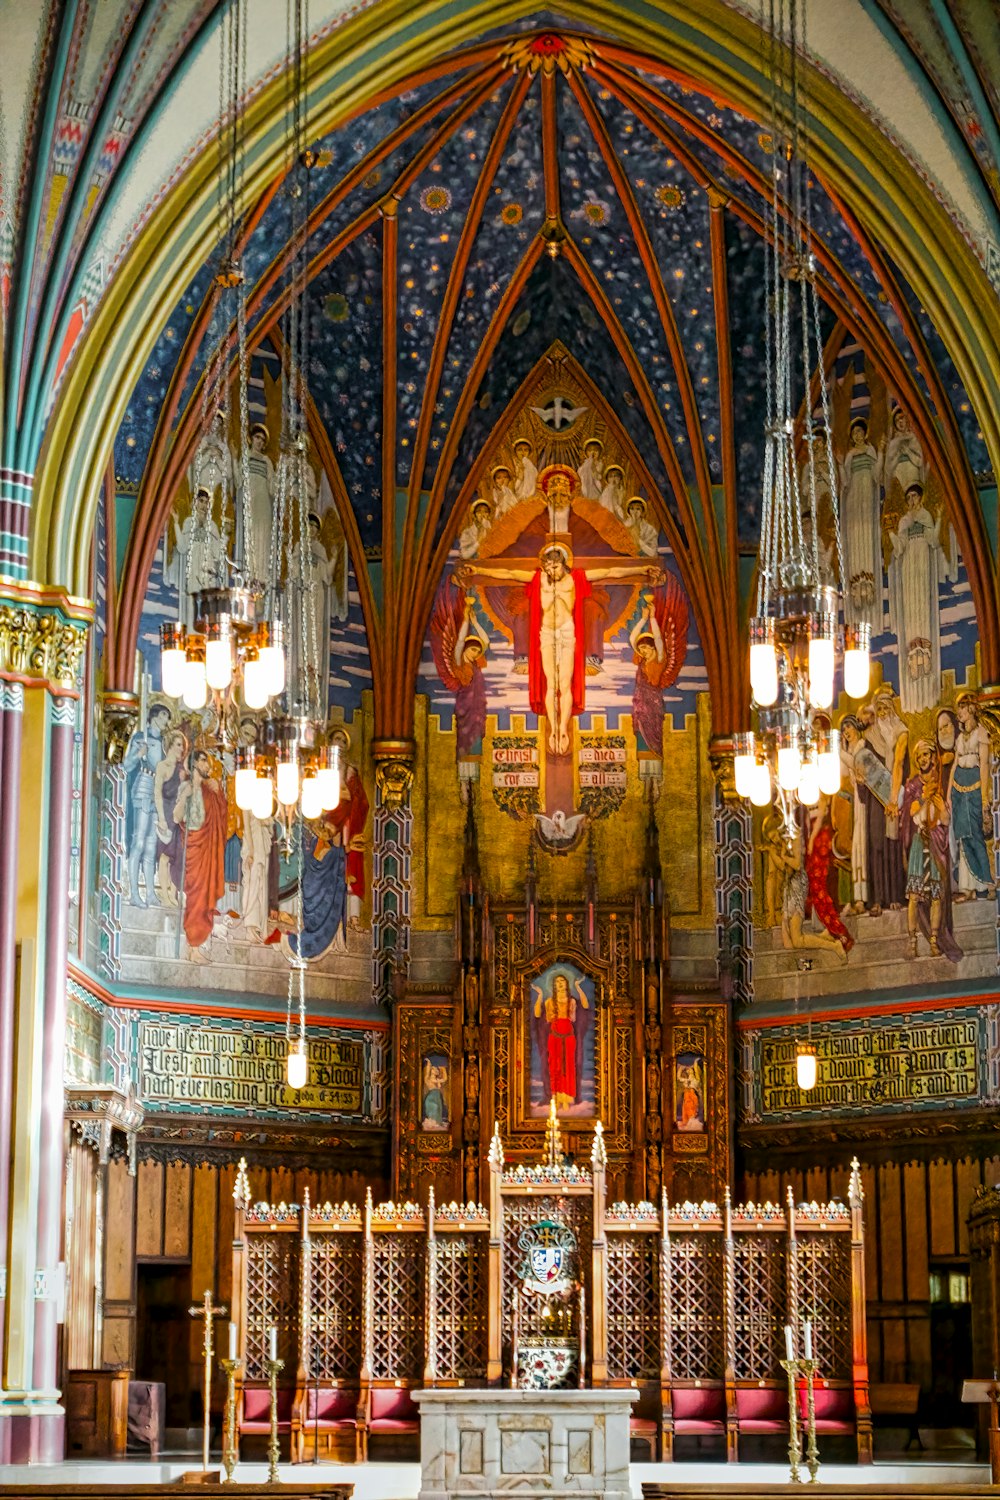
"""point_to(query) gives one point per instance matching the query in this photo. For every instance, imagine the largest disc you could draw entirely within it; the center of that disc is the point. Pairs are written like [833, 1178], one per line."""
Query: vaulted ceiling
[546, 182]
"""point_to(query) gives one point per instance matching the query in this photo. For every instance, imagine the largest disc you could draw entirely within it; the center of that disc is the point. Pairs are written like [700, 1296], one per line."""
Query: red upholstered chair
[834, 1408]
[253, 1415]
[699, 1411]
[645, 1418]
[391, 1414]
[328, 1416]
[761, 1411]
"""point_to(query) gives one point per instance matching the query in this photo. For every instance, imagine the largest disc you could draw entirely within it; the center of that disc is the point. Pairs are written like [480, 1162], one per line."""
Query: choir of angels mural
[910, 830]
[557, 584]
[208, 882]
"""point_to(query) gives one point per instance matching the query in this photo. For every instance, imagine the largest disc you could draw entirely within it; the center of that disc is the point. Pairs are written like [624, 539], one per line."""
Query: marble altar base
[524, 1443]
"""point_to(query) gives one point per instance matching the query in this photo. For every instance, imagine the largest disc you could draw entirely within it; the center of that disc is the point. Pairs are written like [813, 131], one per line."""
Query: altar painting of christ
[561, 1028]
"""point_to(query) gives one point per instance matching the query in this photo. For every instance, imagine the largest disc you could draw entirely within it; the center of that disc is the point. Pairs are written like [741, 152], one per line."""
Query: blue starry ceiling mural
[553, 189]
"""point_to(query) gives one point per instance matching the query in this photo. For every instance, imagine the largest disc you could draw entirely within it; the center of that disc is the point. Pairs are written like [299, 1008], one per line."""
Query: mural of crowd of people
[911, 827]
[192, 851]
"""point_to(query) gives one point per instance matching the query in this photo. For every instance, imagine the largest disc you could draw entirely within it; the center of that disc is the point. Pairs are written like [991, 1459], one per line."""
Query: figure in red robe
[558, 1010]
[348, 818]
[201, 808]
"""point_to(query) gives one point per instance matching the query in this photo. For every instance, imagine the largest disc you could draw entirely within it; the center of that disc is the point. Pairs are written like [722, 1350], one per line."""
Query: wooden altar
[688, 1302]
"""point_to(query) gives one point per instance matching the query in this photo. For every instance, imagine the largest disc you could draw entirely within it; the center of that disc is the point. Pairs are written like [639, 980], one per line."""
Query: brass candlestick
[230, 1455]
[791, 1368]
[273, 1366]
[808, 1368]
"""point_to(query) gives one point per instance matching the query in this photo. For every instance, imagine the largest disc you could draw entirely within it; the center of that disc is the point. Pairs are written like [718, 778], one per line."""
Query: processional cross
[204, 1309]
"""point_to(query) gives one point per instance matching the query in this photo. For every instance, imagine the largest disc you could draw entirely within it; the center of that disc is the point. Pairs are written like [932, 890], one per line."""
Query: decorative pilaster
[733, 821]
[15, 518]
[392, 848]
[989, 717]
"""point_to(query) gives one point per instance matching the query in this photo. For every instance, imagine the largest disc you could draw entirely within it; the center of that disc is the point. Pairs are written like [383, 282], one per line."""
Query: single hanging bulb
[262, 805]
[744, 760]
[254, 684]
[272, 659]
[312, 800]
[805, 1065]
[328, 777]
[172, 660]
[829, 763]
[808, 787]
[219, 662]
[857, 665]
[789, 767]
[246, 778]
[821, 660]
[298, 1064]
[195, 683]
[288, 782]
[763, 661]
[760, 788]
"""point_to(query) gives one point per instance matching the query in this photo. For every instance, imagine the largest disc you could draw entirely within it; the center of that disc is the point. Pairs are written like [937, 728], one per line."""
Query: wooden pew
[889, 1400]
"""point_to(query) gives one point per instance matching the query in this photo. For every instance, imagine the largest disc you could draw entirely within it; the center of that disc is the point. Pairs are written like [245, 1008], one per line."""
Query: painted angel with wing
[659, 644]
[459, 645]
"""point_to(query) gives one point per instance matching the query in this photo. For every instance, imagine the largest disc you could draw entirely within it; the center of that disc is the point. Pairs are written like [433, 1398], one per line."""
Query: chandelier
[234, 636]
[795, 633]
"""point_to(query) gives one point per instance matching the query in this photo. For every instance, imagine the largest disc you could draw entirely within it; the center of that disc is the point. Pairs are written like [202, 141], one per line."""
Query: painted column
[733, 878]
[392, 847]
[11, 712]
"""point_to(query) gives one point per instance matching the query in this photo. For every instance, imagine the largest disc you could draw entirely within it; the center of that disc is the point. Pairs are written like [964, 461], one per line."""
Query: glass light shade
[764, 673]
[254, 684]
[805, 1066]
[329, 786]
[856, 672]
[789, 767]
[760, 786]
[298, 1065]
[195, 684]
[829, 763]
[312, 799]
[262, 805]
[821, 662]
[246, 783]
[219, 663]
[288, 782]
[808, 787]
[172, 663]
[272, 661]
[744, 760]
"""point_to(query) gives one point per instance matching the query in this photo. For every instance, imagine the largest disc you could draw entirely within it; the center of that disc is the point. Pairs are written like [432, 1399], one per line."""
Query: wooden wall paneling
[149, 1210]
[81, 1257]
[119, 1267]
[817, 1185]
[768, 1187]
[840, 1178]
[869, 1186]
[918, 1327]
[891, 1261]
[177, 1211]
[282, 1185]
[968, 1177]
[750, 1190]
[941, 1190]
[225, 1228]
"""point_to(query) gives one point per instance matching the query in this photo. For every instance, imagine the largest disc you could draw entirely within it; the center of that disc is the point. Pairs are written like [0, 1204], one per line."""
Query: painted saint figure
[690, 1092]
[260, 501]
[613, 493]
[914, 579]
[904, 457]
[480, 521]
[199, 559]
[591, 472]
[525, 470]
[434, 1103]
[213, 466]
[860, 480]
[970, 803]
[558, 1009]
[924, 818]
[459, 646]
[171, 774]
[311, 579]
[348, 820]
[255, 862]
[659, 642]
[201, 808]
[143, 756]
[504, 498]
[643, 531]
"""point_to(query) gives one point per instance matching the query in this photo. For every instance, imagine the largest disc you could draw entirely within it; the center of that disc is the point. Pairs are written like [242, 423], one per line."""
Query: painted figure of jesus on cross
[557, 590]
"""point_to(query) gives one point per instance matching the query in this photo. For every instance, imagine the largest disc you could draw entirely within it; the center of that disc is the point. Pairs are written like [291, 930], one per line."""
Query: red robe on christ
[536, 672]
[204, 873]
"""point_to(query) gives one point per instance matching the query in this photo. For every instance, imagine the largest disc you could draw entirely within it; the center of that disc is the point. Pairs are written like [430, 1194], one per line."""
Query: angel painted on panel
[459, 644]
[659, 644]
[561, 1016]
[690, 1105]
[860, 513]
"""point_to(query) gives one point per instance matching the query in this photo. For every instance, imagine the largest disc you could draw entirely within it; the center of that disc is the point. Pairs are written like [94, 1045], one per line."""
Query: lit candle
[789, 1346]
[232, 1341]
[272, 1343]
[807, 1339]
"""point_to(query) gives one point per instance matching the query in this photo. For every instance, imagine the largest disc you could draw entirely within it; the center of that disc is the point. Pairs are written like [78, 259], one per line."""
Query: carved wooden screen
[273, 1263]
[518, 1213]
[633, 1320]
[823, 1264]
[696, 1306]
[335, 1306]
[398, 1306]
[462, 1306]
[761, 1303]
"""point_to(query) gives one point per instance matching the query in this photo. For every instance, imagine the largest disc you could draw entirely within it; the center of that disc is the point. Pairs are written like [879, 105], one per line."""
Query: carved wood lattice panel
[761, 1290]
[398, 1307]
[518, 1213]
[272, 1300]
[697, 1307]
[335, 1328]
[633, 1307]
[824, 1271]
[462, 1306]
